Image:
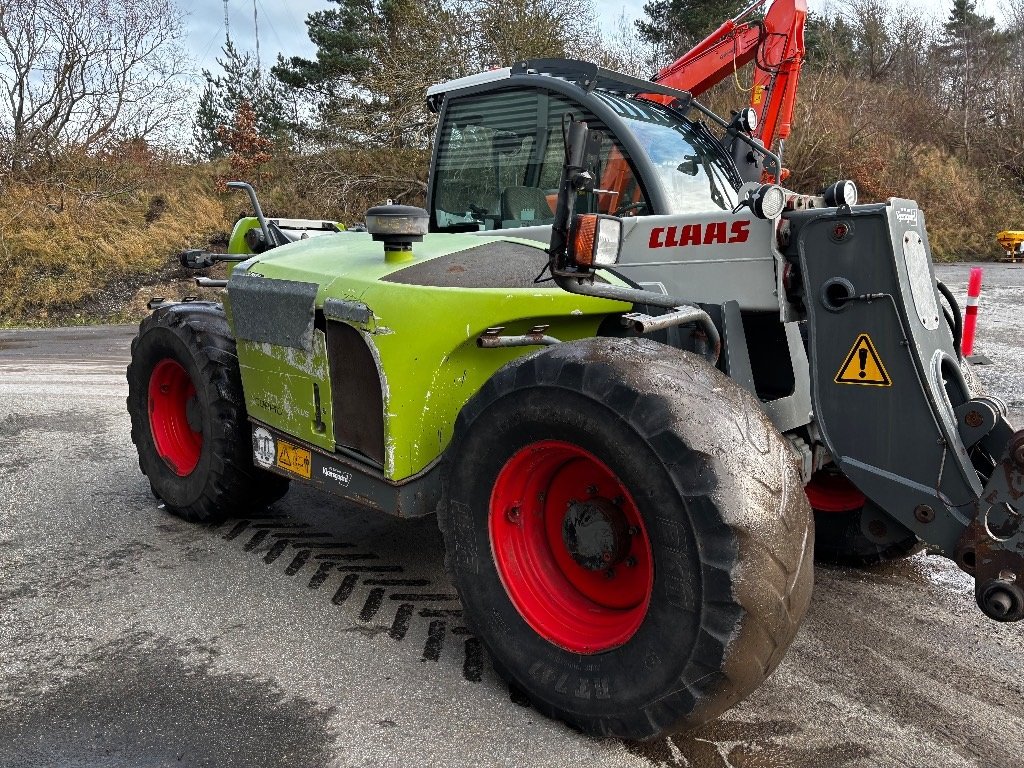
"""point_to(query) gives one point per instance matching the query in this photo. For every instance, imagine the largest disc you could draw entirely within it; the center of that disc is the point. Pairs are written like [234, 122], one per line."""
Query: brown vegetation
[90, 229]
[880, 136]
[97, 227]
[93, 239]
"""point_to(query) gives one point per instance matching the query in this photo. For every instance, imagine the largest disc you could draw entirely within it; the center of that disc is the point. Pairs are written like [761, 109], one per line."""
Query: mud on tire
[724, 515]
[188, 416]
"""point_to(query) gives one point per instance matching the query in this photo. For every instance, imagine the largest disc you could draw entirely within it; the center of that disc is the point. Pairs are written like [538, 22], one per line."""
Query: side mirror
[688, 166]
[196, 258]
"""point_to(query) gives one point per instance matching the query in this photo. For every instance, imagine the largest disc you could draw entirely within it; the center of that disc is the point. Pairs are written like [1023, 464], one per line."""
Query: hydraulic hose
[638, 296]
[957, 324]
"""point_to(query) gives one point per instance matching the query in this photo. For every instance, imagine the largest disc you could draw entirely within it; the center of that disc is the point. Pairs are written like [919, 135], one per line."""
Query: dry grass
[72, 238]
[342, 184]
[93, 238]
[889, 141]
[881, 137]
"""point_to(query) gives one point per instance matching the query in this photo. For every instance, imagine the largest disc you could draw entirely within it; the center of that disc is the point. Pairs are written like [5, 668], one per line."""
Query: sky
[282, 24]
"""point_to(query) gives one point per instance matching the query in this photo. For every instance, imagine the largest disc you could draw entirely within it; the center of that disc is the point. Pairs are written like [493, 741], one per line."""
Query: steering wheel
[627, 207]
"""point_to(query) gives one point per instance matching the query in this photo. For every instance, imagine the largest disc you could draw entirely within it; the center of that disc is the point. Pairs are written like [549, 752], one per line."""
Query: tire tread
[234, 486]
[774, 594]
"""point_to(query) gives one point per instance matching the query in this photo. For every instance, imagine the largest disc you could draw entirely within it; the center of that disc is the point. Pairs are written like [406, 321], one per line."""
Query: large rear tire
[628, 534]
[189, 422]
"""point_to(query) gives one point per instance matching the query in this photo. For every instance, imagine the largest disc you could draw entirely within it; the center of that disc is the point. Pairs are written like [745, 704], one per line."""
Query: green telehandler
[621, 375]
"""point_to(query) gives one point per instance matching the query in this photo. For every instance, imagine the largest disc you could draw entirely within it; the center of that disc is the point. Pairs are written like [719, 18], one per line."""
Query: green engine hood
[419, 318]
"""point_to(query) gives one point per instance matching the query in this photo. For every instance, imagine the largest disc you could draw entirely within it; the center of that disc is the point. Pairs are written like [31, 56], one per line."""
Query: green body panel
[422, 337]
[278, 385]
[236, 243]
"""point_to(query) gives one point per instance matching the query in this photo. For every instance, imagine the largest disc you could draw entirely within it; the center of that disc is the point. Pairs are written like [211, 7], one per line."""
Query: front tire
[188, 416]
[841, 514]
[628, 534]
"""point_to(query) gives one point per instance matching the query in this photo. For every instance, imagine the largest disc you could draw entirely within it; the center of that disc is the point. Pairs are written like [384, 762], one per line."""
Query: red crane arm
[776, 46]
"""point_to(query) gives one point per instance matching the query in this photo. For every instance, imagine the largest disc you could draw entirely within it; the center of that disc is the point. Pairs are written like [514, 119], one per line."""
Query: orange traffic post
[971, 311]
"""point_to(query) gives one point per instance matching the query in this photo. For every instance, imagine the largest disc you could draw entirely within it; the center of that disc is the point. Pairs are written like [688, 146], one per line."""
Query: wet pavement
[1000, 335]
[128, 637]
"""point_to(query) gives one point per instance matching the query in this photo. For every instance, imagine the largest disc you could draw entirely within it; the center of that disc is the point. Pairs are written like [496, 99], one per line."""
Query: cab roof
[586, 75]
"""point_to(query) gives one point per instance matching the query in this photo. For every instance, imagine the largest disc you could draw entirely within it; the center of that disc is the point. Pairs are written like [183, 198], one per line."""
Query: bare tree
[83, 74]
[512, 30]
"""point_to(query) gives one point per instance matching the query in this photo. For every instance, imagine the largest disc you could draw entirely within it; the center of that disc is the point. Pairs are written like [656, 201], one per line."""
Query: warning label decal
[293, 459]
[863, 365]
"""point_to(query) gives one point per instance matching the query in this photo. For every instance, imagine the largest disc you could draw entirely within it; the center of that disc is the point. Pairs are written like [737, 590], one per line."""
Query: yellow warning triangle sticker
[863, 365]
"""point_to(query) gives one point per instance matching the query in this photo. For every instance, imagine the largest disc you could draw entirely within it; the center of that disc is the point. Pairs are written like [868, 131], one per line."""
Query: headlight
[748, 119]
[768, 201]
[841, 193]
[596, 240]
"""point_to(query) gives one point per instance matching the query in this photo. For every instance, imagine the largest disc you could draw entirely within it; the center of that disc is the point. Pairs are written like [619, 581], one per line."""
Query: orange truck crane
[775, 43]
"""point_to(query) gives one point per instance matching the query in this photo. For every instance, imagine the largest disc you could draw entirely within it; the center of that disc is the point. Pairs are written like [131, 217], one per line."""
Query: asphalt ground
[131, 638]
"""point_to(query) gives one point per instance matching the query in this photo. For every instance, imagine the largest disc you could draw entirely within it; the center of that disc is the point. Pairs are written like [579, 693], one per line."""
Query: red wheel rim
[171, 392]
[830, 491]
[556, 511]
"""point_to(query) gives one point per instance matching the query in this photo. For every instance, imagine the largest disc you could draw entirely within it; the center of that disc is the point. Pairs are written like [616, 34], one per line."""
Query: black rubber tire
[224, 482]
[839, 539]
[720, 496]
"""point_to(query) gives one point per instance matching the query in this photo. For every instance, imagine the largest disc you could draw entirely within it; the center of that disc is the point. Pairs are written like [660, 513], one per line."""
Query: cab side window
[483, 159]
[618, 190]
[499, 161]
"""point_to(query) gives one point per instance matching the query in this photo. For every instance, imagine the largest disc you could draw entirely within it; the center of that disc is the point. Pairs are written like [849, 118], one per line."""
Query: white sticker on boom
[263, 449]
[922, 287]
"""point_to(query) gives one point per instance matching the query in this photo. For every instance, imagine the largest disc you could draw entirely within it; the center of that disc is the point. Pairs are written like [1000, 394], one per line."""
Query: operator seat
[455, 203]
[454, 197]
[527, 204]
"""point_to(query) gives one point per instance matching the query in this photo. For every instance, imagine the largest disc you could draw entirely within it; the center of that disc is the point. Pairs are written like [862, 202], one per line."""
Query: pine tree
[345, 47]
[241, 82]
[675, 26]
[830, 41]
[374, 61]
[973, 53]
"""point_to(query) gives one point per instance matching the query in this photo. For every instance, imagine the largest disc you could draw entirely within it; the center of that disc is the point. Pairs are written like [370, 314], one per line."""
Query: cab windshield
[694, 171]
